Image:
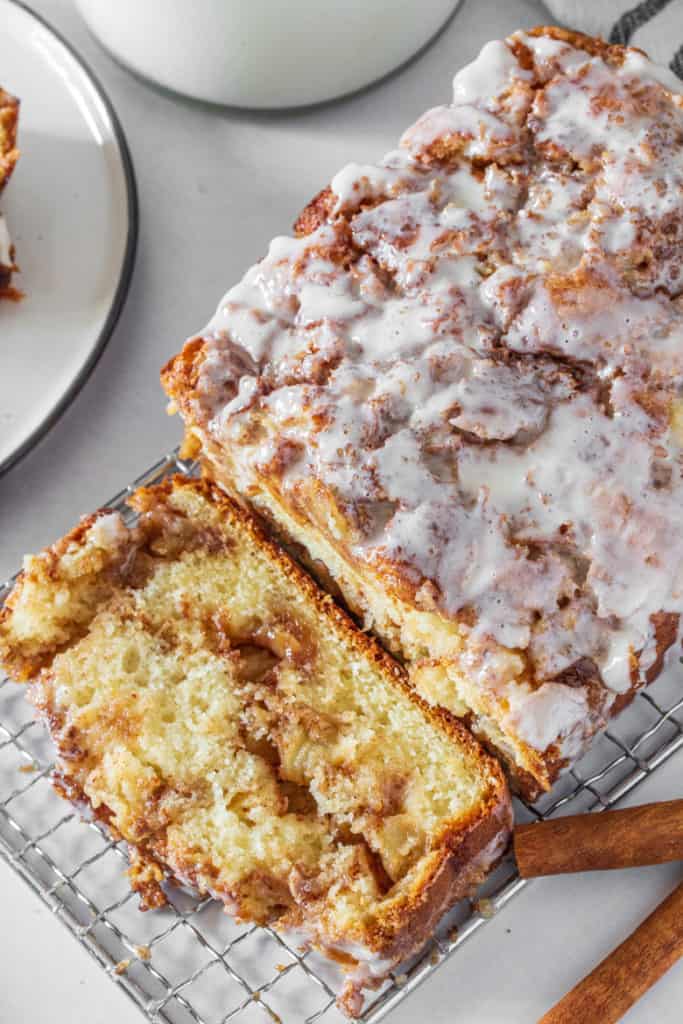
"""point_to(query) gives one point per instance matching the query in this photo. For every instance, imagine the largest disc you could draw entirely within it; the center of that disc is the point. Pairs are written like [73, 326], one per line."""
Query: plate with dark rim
[71, 208]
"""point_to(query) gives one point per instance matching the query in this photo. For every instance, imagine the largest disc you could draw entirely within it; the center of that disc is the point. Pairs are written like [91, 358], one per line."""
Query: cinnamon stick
[649, 834]
[630, 970]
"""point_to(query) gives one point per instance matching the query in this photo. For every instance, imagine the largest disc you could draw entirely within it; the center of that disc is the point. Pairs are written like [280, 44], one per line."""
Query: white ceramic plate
[72, 213]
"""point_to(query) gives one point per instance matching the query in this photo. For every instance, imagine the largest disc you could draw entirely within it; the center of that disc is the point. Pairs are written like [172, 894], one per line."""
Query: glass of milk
[264, 53]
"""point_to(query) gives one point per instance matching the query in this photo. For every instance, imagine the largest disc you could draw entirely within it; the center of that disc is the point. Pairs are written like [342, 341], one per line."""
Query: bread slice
[223, 716]
[9, 154]
[458, 390]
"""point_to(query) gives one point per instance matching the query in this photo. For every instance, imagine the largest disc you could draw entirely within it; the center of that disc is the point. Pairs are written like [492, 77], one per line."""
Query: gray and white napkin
[656, 26]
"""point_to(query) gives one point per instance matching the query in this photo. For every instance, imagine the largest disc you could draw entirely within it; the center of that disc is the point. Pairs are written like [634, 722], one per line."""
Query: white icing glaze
[554, 713]
[494, 71]
[108, 531]
[478, 354]
[640, 67]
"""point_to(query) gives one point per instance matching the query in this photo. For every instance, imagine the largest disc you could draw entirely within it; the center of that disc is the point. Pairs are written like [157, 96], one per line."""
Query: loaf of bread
[9, 114]
[458, 390]
[219, 712]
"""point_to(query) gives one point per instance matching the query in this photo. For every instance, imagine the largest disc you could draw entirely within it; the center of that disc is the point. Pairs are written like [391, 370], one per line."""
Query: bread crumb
[401, 979]
[486, 908]
[33, 767]
[144, 952]
[434, 957]
[122, 966]
[453, 935]
[280, 967]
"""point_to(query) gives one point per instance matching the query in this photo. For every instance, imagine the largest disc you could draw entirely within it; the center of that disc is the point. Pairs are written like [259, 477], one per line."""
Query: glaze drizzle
[476, 350]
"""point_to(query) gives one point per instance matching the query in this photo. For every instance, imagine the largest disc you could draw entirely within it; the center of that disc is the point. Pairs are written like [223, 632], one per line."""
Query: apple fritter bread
[458, 389]
[219, 712]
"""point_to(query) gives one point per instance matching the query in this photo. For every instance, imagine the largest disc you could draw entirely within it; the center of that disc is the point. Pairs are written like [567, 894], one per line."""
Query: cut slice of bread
[219, 712]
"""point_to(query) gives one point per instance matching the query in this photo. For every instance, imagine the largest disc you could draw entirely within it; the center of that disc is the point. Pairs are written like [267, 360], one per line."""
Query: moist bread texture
[9, 154]
[458, 390]
[219, 712]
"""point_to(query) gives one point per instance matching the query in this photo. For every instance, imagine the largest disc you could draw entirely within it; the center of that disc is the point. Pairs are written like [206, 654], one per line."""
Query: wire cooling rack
[189, 963]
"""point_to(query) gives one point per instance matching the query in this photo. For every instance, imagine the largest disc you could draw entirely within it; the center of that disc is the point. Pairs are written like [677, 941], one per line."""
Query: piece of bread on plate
[220, 713]
[458, 390]
[9, 154]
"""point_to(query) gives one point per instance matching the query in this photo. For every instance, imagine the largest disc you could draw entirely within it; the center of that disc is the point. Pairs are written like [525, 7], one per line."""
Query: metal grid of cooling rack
[189, 963]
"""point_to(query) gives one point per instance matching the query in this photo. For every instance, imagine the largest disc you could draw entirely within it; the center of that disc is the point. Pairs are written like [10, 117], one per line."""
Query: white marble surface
[214, 187]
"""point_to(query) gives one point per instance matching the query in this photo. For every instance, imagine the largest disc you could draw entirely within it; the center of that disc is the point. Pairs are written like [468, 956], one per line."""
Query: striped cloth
[656, 26]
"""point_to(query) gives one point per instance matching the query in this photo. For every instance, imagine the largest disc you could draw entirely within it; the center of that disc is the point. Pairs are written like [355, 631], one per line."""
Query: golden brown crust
[145, 872]
[179, 375]
[315, 213]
